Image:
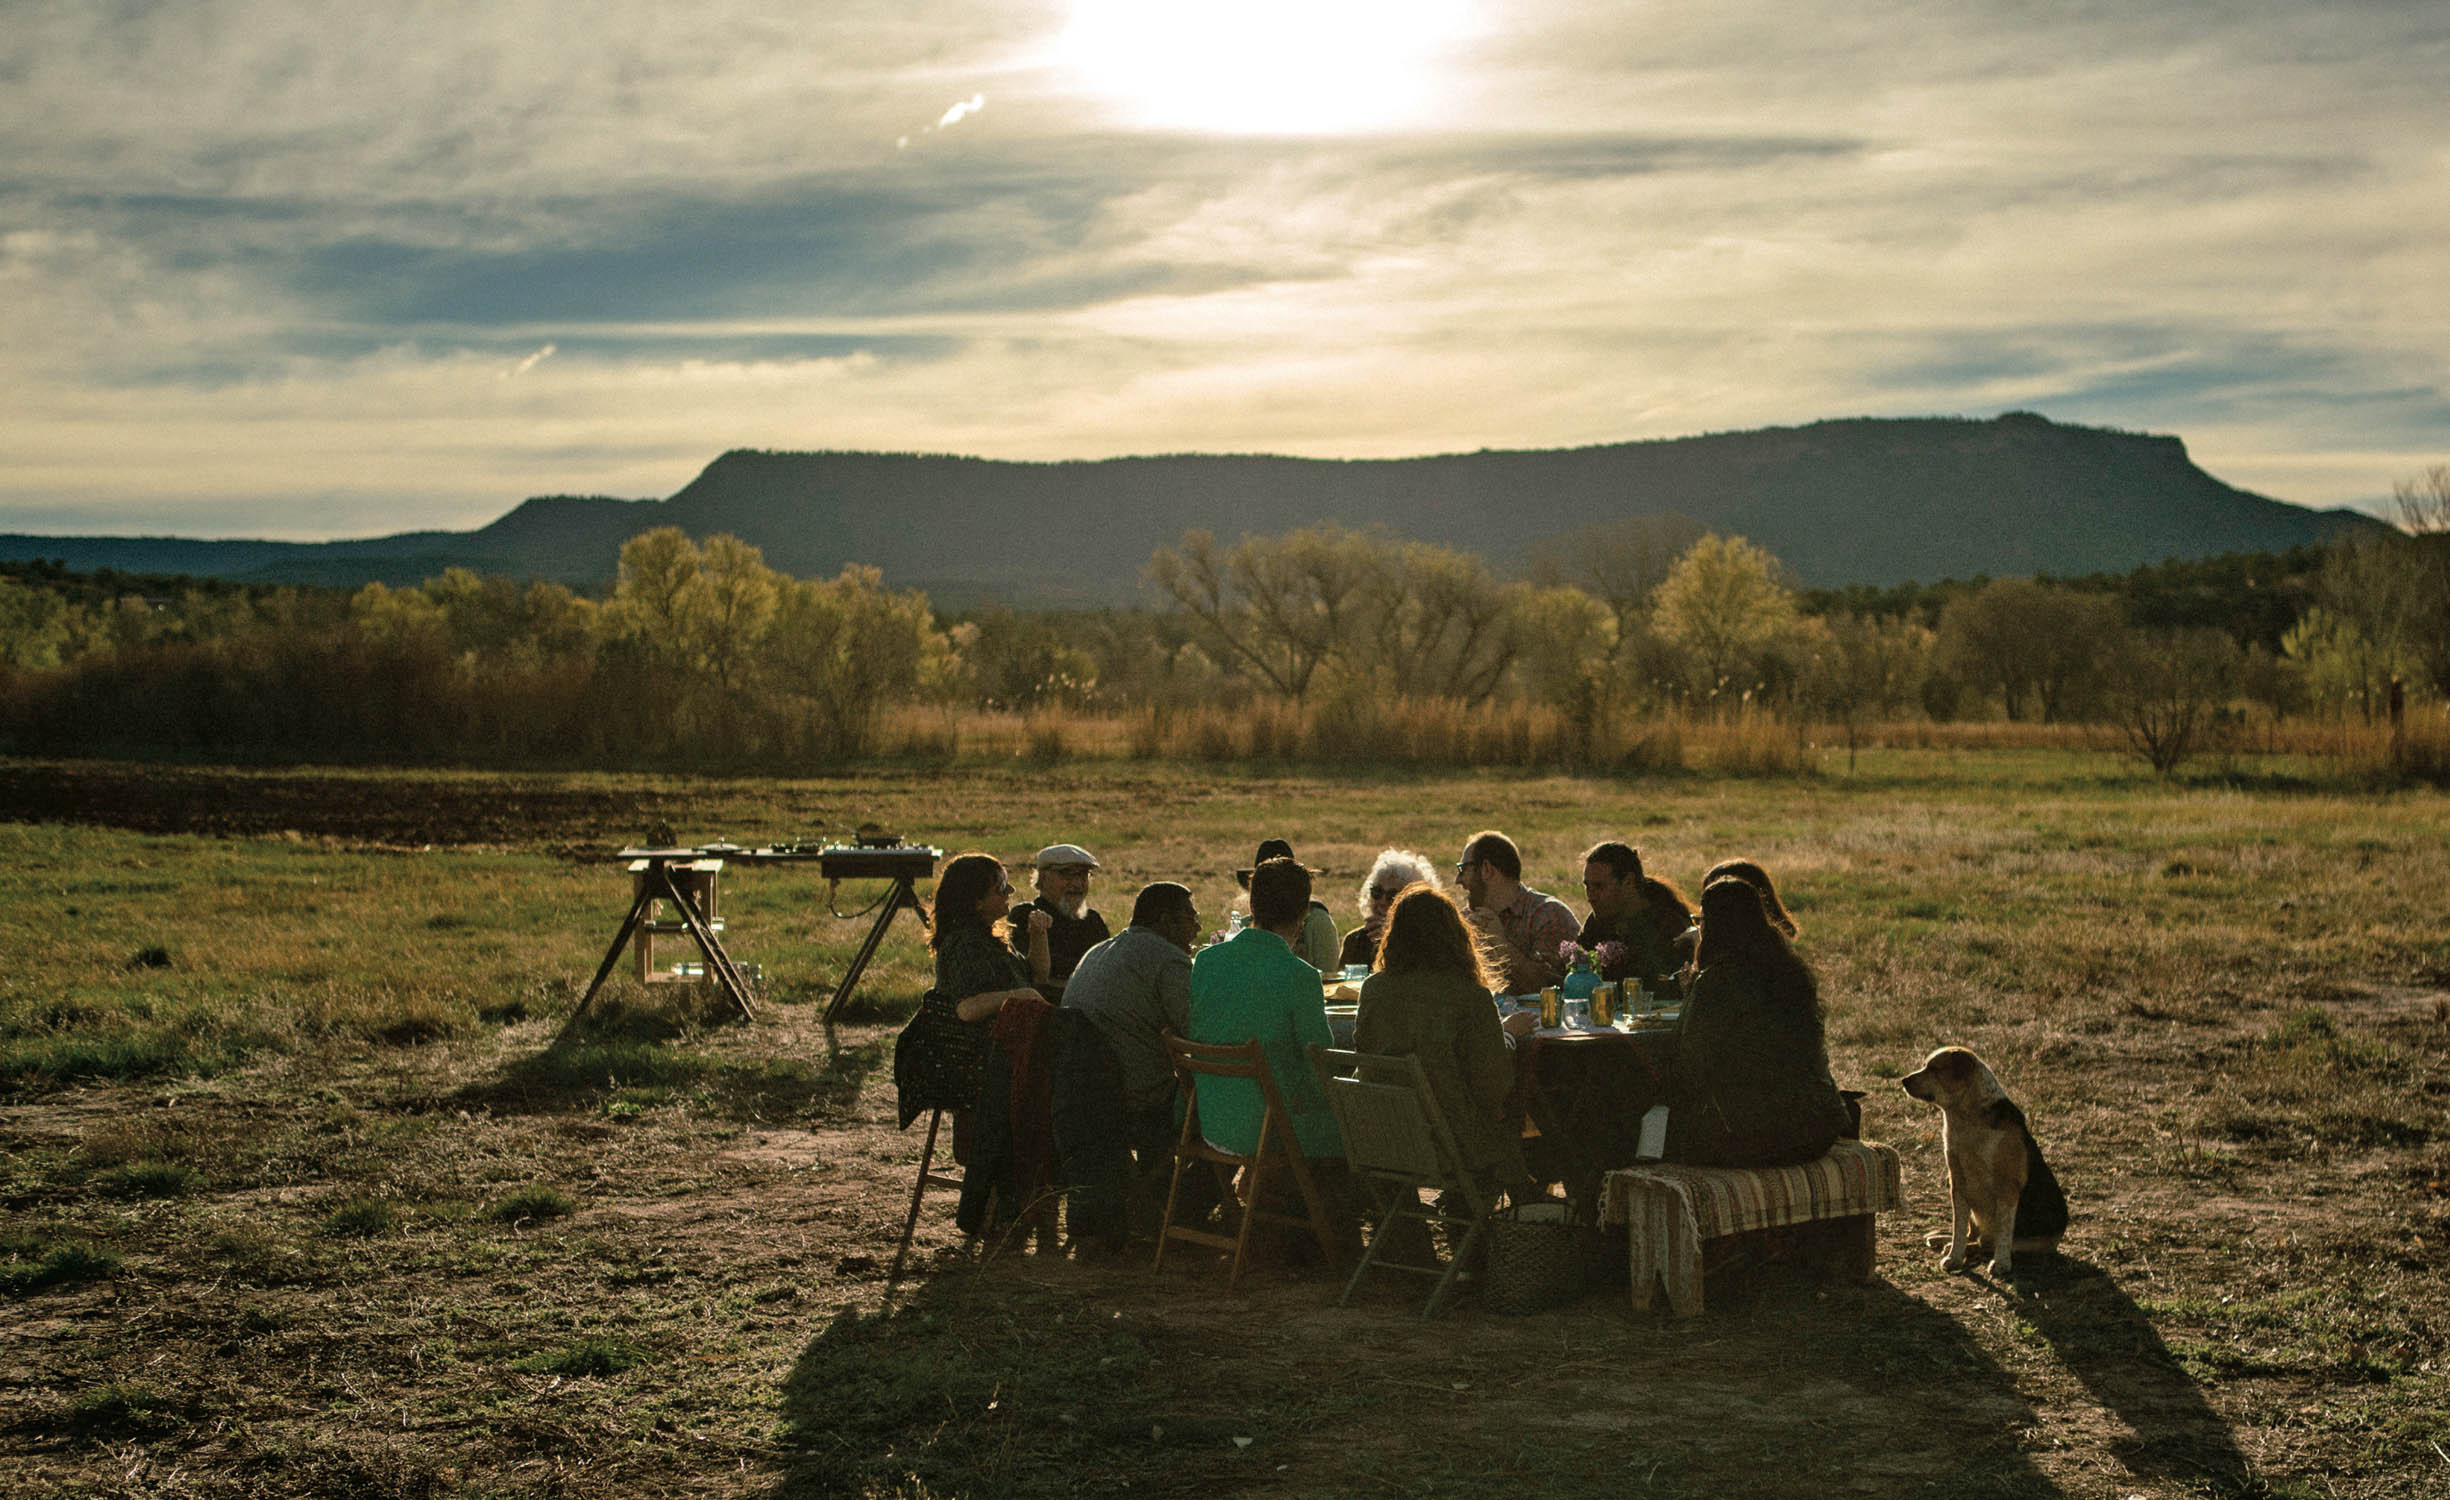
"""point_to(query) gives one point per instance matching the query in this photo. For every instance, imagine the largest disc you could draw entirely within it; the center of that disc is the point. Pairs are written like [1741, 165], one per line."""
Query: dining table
[1580, 1093]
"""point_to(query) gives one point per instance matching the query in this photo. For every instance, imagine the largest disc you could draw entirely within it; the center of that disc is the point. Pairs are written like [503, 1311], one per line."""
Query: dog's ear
[1954, 1064]
[2004, 1114]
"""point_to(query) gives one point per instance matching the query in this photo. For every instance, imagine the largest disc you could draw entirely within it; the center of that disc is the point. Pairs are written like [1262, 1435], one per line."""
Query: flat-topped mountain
[1865, 500]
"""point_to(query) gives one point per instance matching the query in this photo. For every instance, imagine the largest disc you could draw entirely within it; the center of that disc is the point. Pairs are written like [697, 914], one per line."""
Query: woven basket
[1538, 1257]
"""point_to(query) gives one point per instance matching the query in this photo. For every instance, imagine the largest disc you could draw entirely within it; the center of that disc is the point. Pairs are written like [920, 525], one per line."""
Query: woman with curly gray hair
[1391, 873]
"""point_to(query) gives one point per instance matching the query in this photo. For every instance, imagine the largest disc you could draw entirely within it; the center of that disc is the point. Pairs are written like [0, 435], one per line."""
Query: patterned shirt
[1531, 927]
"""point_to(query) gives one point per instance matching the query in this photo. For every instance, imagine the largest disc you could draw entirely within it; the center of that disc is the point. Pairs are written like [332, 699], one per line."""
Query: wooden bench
[1669, 1211]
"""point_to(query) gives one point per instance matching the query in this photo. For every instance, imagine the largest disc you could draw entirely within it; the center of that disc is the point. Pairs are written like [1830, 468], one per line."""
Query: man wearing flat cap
[1055, 929]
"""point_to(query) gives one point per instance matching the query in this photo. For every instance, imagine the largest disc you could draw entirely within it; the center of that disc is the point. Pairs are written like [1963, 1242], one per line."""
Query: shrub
[151, 1179]
[535, 1201]
[593, 1356]
[361, 1218]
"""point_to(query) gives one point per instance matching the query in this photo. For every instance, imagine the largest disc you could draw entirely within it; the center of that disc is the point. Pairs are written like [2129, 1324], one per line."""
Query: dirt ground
[716, 1312]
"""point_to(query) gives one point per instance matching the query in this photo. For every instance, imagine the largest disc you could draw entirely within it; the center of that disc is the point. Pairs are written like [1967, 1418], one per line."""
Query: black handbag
[937, 1059]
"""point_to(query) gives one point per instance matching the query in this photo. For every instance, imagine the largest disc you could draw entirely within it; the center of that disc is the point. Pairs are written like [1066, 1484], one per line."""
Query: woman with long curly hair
[1752, 1084]
[976, 971]
[1431, 999]
[1756, 877]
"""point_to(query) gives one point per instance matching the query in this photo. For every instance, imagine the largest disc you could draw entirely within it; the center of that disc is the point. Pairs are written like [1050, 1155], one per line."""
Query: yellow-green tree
[844, 647]
[1726, 607]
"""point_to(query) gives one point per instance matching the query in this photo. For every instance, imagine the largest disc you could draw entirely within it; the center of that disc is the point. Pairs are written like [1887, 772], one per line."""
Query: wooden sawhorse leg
[657, 886]
[900, 896]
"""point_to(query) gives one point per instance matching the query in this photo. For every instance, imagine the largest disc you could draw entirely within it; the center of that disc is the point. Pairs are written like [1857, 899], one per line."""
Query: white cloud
[244, 273]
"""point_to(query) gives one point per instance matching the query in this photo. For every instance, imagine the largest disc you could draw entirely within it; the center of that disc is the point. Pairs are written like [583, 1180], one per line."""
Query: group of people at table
[1751, 1082]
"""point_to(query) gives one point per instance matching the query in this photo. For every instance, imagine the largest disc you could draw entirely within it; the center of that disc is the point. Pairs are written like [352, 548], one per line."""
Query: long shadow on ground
[2109, 1343]
[992, 1380]
[616, 1053]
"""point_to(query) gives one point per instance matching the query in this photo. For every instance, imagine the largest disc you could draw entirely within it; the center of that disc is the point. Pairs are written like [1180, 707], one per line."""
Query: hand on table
[1521, 1023]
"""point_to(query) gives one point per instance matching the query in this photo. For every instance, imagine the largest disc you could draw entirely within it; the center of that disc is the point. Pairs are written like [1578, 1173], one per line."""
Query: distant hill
[1861, 501]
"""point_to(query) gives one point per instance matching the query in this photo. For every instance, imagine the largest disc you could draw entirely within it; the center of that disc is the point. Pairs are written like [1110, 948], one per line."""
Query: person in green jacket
[1252, 985]
[1430, 999]
[1752, 1083]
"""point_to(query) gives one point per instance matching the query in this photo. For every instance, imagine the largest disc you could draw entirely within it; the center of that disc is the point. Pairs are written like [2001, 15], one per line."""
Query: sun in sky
[1273, 67]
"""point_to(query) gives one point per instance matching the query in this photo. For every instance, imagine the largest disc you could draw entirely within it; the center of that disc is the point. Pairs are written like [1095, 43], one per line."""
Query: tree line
[699, 653]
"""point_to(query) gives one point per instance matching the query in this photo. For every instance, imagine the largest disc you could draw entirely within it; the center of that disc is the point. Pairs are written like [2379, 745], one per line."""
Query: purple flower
[1612, 953]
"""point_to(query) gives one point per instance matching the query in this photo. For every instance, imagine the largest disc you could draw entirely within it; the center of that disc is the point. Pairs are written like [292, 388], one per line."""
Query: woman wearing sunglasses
[1393, 870]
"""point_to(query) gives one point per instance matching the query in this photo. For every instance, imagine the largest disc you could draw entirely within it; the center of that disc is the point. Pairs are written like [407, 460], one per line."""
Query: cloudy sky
[313, 268]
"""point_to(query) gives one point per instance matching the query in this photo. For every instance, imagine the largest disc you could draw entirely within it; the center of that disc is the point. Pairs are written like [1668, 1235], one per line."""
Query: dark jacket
[1059, 1126]
[1649, 953]
[1752, 1085]
[1066, 941]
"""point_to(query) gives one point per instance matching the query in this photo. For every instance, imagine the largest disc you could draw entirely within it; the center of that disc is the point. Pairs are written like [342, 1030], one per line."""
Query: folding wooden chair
[1277, 1146]
[1396, 1136]
[928, 1177]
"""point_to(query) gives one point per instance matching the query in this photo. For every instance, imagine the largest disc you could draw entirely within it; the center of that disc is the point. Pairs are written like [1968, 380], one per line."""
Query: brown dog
[2001, 1193]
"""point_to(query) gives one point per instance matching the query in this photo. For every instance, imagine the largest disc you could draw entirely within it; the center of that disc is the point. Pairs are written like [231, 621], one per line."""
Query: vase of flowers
[1580, 977]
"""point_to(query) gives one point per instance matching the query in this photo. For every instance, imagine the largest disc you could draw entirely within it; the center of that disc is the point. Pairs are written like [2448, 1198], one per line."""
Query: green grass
[535, 1202]
[31, 1263]
[361, 1218]
[311, 1191]
[150, 1179]
[119, 1411]
[588, 1358]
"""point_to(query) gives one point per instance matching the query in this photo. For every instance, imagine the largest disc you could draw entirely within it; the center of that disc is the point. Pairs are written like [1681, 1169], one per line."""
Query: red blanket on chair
[1019, 1026]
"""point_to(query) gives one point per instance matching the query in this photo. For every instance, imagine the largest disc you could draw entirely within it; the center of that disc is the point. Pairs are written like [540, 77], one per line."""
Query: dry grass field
[311, 1187]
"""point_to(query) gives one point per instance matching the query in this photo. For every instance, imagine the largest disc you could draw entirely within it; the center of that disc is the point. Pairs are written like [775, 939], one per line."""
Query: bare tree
[1620, 563]
[1281, 606]
[2424, 501]
[2039, 646]
[2424, 509]
[1862, 667]
[2170, 692]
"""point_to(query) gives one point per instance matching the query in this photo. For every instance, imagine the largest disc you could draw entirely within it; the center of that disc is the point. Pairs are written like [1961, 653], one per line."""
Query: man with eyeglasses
[1390, 874]
[1521, 928]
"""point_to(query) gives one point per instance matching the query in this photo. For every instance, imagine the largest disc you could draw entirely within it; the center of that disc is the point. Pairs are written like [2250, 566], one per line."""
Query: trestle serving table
[686, 879]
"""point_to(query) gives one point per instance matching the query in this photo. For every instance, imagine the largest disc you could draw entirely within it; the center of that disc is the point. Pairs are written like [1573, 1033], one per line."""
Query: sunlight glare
[1280, 67]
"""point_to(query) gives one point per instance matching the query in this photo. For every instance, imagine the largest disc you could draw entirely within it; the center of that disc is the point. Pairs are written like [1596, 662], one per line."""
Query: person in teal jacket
[1252, 985]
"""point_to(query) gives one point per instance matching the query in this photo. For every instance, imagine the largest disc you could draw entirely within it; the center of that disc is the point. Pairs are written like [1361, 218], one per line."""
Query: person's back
[1253, 987]
[1753, 1084]
[1136, 986]
[1449, 1022]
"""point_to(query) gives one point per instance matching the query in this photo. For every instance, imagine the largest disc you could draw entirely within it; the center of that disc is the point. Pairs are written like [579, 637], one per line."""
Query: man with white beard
[1060, 925]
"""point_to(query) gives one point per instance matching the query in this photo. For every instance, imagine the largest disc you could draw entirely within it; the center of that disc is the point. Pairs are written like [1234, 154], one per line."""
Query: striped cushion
[1854, 1178]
